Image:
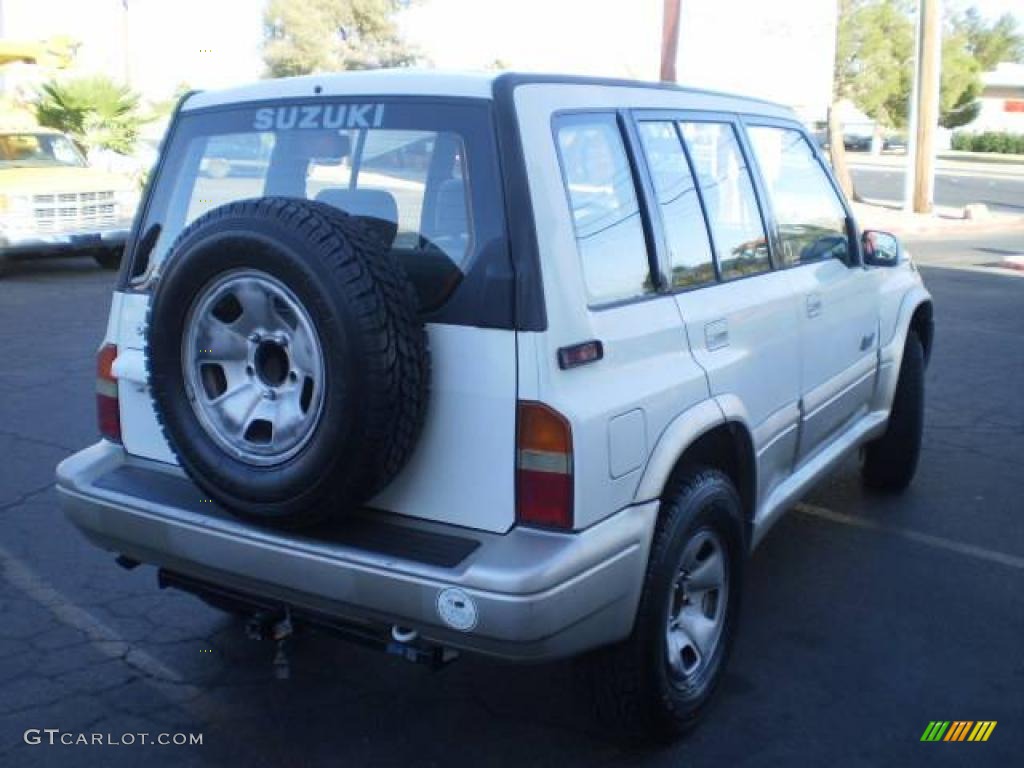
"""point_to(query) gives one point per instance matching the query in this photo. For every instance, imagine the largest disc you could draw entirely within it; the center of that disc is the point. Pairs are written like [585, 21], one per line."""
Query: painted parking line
[103, 638]
[937, 542]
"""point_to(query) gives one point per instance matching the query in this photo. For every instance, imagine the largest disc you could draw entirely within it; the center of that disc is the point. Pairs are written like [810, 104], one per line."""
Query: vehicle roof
[440, 83]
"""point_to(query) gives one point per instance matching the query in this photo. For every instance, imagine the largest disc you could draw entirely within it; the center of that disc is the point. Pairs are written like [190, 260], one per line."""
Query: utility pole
[834, 123]
[669, 40]
[126, 43]
[924, 108]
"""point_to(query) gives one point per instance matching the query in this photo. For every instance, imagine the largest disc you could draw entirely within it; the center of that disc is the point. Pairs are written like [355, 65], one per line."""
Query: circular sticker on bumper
[457, 609]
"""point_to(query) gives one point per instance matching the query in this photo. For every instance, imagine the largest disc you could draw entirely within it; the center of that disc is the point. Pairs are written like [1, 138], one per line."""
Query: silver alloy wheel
[697, 604]
[253, 367]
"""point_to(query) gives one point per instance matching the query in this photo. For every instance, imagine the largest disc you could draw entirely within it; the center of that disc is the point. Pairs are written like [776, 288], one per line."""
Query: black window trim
[637, 117]
[669, 114]
[852, 232]
[637, 166]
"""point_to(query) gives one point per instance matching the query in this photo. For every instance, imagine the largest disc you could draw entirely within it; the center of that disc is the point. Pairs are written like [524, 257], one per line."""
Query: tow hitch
[279, 622]
[278, 629]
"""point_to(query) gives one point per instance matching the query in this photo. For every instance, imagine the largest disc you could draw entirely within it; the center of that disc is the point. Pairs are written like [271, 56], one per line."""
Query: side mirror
[881, 249]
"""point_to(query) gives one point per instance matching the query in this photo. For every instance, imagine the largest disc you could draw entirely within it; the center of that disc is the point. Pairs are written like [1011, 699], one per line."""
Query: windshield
[38, 150]
[419, 176]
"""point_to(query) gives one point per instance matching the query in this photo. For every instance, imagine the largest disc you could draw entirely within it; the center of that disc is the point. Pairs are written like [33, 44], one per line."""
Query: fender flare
[890, 353]
[680, 433]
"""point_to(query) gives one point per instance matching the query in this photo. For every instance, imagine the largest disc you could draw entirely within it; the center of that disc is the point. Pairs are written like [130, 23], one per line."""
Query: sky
[216, 43]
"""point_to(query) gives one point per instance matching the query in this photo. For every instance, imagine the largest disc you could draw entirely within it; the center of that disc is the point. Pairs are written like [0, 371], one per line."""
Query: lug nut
[254, 338]
[268, 394]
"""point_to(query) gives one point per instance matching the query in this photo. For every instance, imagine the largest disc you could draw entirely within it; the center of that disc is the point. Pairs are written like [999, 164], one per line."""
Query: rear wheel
[658, 683]
[889, 463]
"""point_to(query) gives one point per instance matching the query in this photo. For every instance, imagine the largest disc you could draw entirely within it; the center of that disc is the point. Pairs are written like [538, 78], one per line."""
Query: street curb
[994, 158]
[904, 224]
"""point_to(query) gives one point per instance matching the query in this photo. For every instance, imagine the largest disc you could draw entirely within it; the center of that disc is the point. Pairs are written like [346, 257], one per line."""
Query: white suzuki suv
[519, 365]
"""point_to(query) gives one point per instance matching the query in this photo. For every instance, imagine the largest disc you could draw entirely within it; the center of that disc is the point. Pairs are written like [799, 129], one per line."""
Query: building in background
[1002, 101]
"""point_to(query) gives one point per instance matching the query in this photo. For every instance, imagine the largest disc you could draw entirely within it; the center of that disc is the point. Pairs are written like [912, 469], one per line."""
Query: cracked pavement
[852, 638]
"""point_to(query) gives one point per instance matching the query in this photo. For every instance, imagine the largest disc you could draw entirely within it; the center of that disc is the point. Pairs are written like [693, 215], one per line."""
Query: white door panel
[839, 342]
[141, 432]
[745, 334]
[463, 468]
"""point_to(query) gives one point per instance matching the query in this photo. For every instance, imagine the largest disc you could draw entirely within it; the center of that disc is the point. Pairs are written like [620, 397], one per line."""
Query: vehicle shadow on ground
[357, 706]
[50, 267]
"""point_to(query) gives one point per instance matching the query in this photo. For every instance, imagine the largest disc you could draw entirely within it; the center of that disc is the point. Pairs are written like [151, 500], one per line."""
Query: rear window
[425, 169]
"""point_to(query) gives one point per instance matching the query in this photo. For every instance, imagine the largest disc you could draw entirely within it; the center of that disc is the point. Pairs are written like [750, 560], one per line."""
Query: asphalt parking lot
[866, 617]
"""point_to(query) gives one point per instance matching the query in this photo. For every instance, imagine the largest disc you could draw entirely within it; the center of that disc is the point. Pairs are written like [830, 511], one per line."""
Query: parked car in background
[242, 156]
[857, 142]
[52, 201]
[894, 143]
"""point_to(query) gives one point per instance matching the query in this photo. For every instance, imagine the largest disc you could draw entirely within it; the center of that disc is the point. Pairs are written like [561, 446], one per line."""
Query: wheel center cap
[271, 363]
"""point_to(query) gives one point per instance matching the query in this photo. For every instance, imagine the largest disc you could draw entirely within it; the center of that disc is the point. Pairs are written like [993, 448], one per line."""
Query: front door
[838, 303]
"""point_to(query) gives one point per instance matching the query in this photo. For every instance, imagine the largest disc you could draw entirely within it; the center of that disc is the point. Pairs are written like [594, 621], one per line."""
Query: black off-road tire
[109, 258]
[411, 343]
[889, 463]
[370, 338]
[632, 687]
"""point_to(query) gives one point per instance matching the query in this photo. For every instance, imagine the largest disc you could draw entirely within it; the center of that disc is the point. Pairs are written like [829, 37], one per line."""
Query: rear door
[838, 298]
[603, 283]
[425, 175]
[739, 312]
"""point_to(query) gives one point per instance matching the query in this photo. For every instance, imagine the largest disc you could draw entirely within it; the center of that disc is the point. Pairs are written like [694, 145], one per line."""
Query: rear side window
[741, 245]
[414, 173]
[605, 212]
[683, 221]
[811, 220]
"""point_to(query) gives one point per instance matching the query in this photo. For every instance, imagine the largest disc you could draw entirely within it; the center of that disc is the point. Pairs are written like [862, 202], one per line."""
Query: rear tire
[891, 461]
[658, 683]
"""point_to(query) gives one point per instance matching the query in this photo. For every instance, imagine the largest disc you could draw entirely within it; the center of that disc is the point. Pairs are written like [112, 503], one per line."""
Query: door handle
[716, 335]
[866, 341]
[813, 304]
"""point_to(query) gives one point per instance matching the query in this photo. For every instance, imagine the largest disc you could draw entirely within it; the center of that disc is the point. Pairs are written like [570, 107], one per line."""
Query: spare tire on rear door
[287, 363]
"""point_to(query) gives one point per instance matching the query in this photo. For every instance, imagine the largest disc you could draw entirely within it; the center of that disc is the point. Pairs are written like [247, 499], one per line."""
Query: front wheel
[658, 683]
[891, 461]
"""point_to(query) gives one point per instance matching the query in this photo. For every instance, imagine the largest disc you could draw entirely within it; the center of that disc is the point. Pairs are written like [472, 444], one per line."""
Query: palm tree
[95, 111]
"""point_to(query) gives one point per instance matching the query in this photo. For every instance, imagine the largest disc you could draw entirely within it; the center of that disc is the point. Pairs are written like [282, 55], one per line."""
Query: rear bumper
[537, 595]
[16, 243]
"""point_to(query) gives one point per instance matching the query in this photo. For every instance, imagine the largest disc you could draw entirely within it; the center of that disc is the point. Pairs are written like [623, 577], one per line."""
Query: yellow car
[51, 201]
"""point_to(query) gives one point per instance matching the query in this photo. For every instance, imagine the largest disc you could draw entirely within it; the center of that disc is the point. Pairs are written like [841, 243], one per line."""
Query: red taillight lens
[543, 468]
[108, 411]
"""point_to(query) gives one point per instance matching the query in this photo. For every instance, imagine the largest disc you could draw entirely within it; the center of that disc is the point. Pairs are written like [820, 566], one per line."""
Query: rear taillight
[543, 468]
[107, 410]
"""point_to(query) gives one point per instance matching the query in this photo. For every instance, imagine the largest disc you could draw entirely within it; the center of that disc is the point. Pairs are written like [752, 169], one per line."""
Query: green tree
[95, 111]
[960, 84]
[305, 36]
[875, 60]
[990, 44]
